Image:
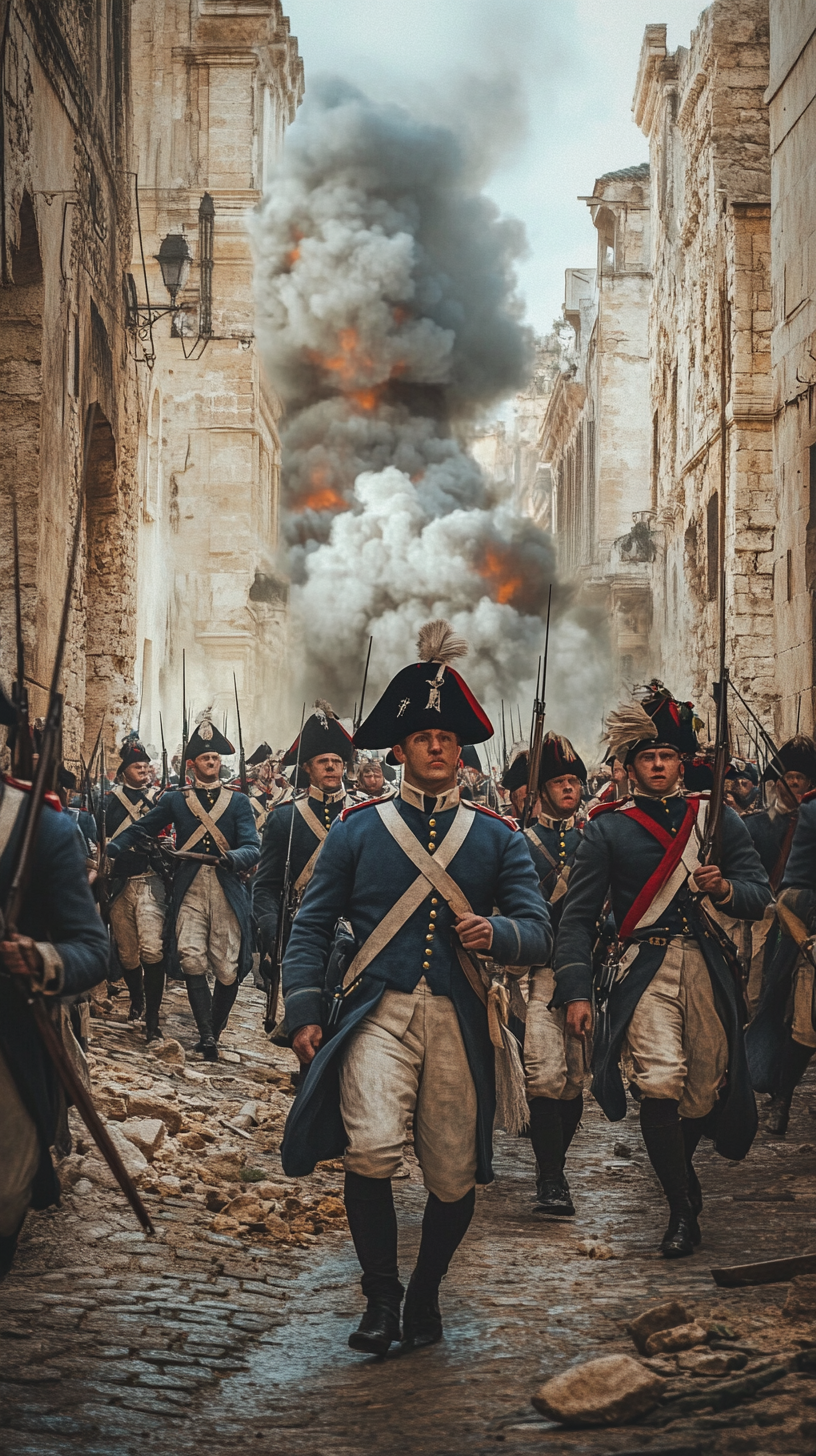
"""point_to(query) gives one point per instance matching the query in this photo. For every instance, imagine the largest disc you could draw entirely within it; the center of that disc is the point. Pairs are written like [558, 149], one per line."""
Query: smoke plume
[389, 324]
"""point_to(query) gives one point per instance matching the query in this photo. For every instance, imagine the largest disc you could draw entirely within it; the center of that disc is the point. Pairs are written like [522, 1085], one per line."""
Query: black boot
[135, 985]
[693, 1129]
[222, 1003]
[552, 1128]
[153, 990]
[444, 1226]
[200, 998]
[8, 1249]
[663, 1136]
[373, 1223]
[793, 1065]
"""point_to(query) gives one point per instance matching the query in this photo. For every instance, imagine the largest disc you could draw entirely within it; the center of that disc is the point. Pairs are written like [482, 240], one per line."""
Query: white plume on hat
[627, 725]
[204, 725]
[437, 642]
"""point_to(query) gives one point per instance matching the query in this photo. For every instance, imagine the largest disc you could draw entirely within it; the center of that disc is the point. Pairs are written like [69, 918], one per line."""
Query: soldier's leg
[150, 916]
[707, 1057]
[655, 1043]
[123, 919]
[554, 1092]
[225, 951]
[445, 1145]
[797, 1051]
[19, 1159]
[192, 931]
[379, 1078]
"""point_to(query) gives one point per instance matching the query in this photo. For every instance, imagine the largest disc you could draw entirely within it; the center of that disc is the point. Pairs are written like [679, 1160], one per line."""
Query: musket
[164, 776]
[96, 745]
[184, 727]
[504, 738]
[242, 773]
[22, 758]
[24, 867]
[359, 716]
[537, 727]
[284, 907]
[710, 850]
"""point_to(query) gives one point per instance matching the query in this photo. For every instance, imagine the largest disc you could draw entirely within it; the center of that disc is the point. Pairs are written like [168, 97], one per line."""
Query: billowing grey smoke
[389, 323]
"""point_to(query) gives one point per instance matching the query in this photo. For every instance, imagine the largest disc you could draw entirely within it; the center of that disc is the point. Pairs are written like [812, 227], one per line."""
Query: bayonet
[504, 737]
[242, 773]
[164, 776]
[284, 908]
[359, 718]
[537, 726]
[182, 774]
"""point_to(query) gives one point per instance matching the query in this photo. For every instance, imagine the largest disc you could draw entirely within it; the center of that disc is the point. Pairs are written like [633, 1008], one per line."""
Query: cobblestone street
[114, 1342]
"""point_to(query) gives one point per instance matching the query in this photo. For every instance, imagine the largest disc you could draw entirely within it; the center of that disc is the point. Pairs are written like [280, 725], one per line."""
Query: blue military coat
[361, 874]
[766, 1036]
[58, 907]
[769, 832]
[618, 856]
[555, 846]
[237, 824]
[267, 887]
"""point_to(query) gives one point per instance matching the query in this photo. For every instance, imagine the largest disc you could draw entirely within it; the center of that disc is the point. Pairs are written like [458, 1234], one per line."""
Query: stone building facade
[704, 114]
[65, 237]
[790, 96]
[595, 434]
[215, 85]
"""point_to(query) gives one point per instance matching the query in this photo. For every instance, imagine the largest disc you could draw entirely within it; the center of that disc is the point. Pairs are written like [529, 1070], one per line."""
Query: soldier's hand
[21, 957]
[306, 1044]
[709, 881]
[579, 1019]
[474, 931]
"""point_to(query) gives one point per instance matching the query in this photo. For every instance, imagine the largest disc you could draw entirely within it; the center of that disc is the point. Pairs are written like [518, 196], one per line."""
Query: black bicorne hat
[132, 751]
[261, 754]
[515, 775]
[322, 733]
[206, 738]
[698, 774]
[655, 720]
[742, 768]
[558, 757]
[428, 694]
[798, 755]
[470, 758]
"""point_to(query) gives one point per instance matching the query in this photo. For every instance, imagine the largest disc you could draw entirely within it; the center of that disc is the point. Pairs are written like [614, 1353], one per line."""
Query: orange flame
[501, 572]
[348, 363]
[293, 256]
[322, 496]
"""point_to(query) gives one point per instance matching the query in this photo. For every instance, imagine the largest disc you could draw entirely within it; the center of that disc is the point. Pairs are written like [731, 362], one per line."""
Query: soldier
[138, 901]
[514, 778]
[325, 750]
[792, 774]
[419, 878]
[742, 786]
[216, 843]
[554, 1063]
[61, 949]
[371, 780]
[259, 774]
[674, 1009]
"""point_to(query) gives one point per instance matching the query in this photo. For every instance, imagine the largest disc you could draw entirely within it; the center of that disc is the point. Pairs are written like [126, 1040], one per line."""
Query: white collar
[326, 798]
[556, 823]
[209, 788]
[415, 797]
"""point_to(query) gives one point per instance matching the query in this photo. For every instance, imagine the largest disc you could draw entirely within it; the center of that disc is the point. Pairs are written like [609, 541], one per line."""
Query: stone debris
[660, 1317]
[605, 1392]
[711, 1362]
[170, 1051]
[595, 1249]
[146, 1133]
[801, 1300]
[681, 1337]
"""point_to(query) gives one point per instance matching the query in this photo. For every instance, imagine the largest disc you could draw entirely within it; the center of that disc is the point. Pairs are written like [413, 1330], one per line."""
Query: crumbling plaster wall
[704, 113]
[63, 346]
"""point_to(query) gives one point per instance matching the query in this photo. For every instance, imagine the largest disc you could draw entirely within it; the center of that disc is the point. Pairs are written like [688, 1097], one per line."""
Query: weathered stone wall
[791, 94]
[215, 86]
[65, 236]
[704, 113]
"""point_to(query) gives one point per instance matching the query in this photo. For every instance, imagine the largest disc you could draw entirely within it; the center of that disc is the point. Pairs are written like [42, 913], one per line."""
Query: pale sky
[574, 64]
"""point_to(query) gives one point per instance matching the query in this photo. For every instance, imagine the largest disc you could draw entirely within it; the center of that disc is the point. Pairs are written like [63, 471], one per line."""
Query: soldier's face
[136, 775]
[798, 785]
[656, 770]
[564, 794]
[431, 759]
[207, 767]
[325, 771]
[371, 779]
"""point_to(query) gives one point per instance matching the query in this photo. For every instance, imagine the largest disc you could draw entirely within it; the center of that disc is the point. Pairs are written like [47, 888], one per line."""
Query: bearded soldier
[138, 902]
[323, 749]
[675, 1010]
[216, 843]
[554, 1063]
[418, 877]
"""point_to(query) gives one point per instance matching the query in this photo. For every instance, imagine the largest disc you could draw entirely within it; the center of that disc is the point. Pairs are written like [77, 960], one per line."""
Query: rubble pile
[208, 1139]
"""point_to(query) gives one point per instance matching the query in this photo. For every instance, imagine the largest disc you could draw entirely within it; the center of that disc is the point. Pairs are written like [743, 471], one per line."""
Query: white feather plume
[626, 725]
[323, 706]
[437, 642]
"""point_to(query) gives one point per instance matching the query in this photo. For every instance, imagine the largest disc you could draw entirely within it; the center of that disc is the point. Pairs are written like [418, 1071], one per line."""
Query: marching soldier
[61, 949]
[418, 877]
[554, 1063]
[138, 901]
[675, 1009]
[259, 774]
[216, 843]
[742, 786]
[371, 780]
[323, 750]
[514, 778]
